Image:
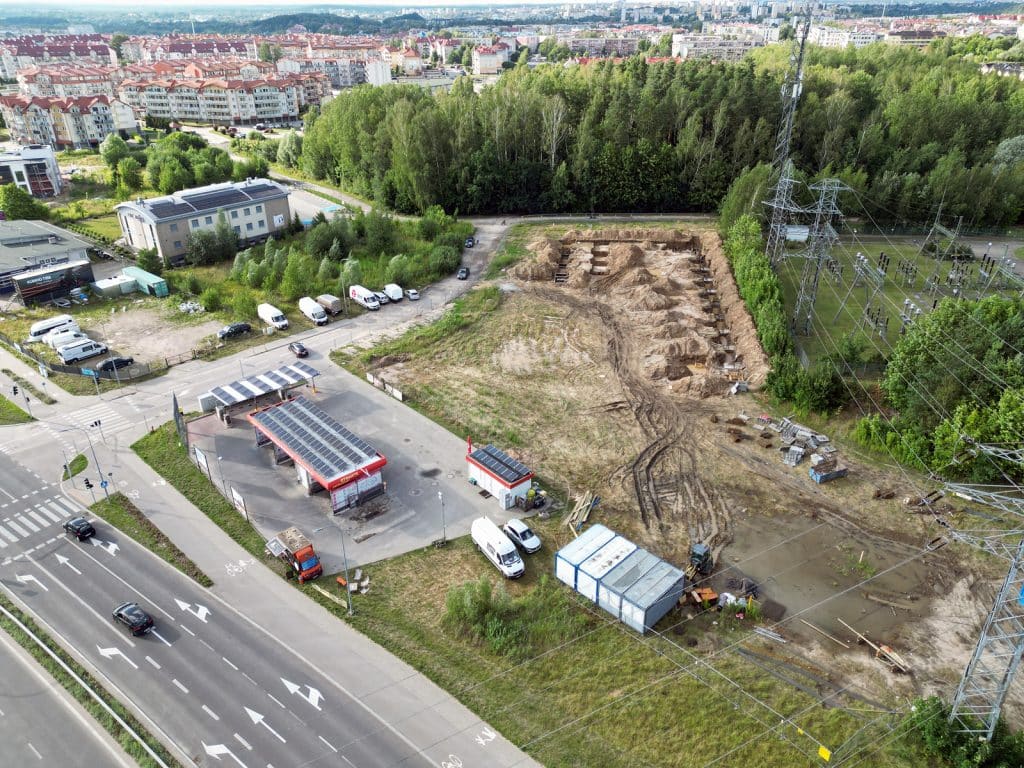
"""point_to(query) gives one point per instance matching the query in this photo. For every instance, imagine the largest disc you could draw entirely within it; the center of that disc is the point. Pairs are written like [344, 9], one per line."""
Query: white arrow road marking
[109, 653]
[200, 611]
[109, 546]
[314, 697]
[27, 578]
[257, 719]
[162, 638]
[217, 750]
[64, 561]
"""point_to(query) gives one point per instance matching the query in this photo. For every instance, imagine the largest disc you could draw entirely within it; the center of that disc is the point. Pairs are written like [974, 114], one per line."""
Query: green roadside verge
[120, 512]
[47, 658]
[77, 465]
[28, 386]
[11, 413]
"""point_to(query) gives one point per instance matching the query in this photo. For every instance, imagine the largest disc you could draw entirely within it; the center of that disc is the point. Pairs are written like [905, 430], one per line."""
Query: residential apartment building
[488, 59]
[235, 69]
[37, 50]
[33, 168]
[687, 46]
[218, 100]
[67, 80]
[71, 123]
[602, 46]
[255, 208]
[170, 47]
[839, 37]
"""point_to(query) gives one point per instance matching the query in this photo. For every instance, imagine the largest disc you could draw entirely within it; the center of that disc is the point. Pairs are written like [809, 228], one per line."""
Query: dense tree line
[905, 128]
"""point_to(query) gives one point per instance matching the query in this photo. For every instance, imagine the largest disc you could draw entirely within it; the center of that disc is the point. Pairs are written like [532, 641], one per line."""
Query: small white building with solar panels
[499, 474]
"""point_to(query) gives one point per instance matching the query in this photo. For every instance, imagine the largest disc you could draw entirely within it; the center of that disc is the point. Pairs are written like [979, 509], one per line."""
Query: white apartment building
[36, 50]
[488, 59]
[688, 46]
[68, 80]
[33, 168]
[73, 123]
[838, 37]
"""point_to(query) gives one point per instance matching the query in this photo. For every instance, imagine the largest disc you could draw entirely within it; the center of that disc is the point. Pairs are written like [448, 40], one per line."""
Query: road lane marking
[186, 629]
[282, 706]
[26, 496]
[250, 679]
[38, 518]
[4, 491]
[325, 741]
[34, 750]
[229, 663]
[27, 523]
[8, 534]
[162, 638]
[16, 528]
[207, 645]
[210, 712]
[348, 761]
[153, 661]
[54, 517]
[243, 742]
[3, 544]
[179, 684]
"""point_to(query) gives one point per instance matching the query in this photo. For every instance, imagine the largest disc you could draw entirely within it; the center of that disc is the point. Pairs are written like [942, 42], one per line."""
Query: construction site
[617, 364]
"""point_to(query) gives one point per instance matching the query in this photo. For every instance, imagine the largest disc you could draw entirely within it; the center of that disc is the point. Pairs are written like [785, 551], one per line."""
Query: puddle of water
[430, 472]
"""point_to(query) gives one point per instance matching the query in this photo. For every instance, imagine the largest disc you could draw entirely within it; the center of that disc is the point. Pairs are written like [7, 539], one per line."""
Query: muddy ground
[608, 367]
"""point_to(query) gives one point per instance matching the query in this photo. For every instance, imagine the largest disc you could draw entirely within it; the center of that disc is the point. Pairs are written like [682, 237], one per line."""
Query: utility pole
[820, 241]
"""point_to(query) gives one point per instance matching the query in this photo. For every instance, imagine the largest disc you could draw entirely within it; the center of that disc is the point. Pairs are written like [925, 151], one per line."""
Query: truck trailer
[292, 546]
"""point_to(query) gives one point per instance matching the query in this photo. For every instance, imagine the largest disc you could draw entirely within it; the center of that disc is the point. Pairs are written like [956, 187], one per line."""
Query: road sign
[43, 371]
[104, 483]
[88, 372]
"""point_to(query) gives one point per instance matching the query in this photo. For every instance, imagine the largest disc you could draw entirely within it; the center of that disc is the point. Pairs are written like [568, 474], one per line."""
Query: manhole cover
[415, 492]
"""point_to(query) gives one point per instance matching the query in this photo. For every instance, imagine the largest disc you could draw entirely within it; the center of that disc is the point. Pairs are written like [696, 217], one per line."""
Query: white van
[81, 350]
[497, 547]
[272, 316]
[64, 336]
[364, 297]
[311, 309]
[43, 327]
[393, 291]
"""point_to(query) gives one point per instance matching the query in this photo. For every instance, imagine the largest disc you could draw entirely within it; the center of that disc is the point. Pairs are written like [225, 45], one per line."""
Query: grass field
[11, 413]
[107, 226]
[76, 466]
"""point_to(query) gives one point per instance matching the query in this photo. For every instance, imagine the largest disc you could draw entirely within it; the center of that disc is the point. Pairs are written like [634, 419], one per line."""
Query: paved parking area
[423, 460]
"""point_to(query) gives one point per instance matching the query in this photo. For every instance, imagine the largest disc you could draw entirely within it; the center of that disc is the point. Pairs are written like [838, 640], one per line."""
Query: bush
[211, 299]
[943, 741]
[444, 260]
[243, 304]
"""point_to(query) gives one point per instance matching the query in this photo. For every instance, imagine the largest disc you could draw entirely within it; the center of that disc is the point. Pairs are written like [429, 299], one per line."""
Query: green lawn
[11, 413]
[107, 226]
[76, 466]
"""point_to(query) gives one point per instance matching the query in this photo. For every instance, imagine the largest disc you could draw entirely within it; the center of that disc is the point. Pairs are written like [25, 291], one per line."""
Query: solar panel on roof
[275, 377]
[262, 191]
[218, 199]
[170, 208]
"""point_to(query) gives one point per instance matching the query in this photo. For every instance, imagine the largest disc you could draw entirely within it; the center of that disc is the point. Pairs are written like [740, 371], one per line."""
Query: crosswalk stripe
[38, 518]
[8, 534]
[27, 523]
[3, 544]
[63, 506]
[54, 517]
[16, 528]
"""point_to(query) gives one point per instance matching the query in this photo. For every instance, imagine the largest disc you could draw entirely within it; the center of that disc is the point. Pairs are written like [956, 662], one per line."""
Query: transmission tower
[782, 206]
[820, 241]
[983, 688]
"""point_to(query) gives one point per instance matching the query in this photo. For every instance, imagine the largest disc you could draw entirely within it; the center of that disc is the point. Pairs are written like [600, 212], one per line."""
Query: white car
[412, 294]
[521, 535]
[382, 298]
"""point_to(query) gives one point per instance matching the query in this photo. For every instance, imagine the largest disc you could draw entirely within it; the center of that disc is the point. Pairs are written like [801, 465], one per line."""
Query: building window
[209, 219]
[247, 211]
[259, 209]
[234, 214]
[238, 230]
[195, 223]
[177, 244]
[248, 226]
[174, 226]
[262, 224]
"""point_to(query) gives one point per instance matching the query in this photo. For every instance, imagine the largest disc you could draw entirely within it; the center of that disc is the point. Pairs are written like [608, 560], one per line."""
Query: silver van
[43, 327]
[80, 350]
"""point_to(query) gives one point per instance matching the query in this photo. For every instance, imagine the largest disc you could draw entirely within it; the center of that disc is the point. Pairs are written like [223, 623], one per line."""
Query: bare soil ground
[145, 334]
[613, 380]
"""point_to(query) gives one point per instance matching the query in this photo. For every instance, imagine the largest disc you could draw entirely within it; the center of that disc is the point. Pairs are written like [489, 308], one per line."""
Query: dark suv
[80, 528]
[137, 620]
[233, 330]
[463, 273]
[115, 363]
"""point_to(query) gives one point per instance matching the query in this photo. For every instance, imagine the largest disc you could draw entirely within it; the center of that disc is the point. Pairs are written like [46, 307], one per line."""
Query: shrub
[211, 299]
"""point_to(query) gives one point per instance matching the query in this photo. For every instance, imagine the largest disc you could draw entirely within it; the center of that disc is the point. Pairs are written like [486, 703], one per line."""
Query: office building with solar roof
[499, 474]
[255, 208]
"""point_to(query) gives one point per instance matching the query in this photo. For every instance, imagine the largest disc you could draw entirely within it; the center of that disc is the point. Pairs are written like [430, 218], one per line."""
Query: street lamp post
[220, 470]
[444, 530]
[344, 559]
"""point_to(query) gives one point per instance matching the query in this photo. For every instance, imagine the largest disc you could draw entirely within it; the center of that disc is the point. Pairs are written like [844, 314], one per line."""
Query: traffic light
[15, 389]
[88, 483]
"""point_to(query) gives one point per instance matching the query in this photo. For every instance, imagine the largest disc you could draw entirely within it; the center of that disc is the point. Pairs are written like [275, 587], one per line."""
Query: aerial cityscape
[578, 385]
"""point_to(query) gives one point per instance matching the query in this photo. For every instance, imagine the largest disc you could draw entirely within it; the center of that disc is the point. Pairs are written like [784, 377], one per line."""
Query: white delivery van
[331, 304]
[313, 310]
[81, 350]
[43, 327]
[393, 291]
[497, 547]
[272, 316]
[364, 297]
[63, 337]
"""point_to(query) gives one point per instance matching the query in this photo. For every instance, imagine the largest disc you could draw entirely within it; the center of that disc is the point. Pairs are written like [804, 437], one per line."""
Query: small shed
[147, 281]
[595, 567]
[653, 595]
[569, 557]
[499, 474]
[623, 576]
[112, 287]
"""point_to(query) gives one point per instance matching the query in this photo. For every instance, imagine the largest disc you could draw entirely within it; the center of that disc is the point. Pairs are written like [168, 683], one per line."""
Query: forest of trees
[906, 129]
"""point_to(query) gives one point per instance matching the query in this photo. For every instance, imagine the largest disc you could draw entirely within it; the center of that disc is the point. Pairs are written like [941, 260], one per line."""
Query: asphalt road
[207, 679]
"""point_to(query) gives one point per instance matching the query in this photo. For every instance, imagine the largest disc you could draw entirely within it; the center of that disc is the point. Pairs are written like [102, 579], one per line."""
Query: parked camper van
[64, 336]
[393, 291]
[312, 310]
[331, 304]
[363, 296]
[81, 350]
[43, 327]
[497, 548]
[272, 316]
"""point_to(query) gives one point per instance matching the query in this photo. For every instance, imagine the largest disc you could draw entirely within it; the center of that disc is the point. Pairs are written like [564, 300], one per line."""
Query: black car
[298, 349]
[137, 620]
[80, 528]
[463, 273]
[233, 330]
[470, 242]
[114, 363]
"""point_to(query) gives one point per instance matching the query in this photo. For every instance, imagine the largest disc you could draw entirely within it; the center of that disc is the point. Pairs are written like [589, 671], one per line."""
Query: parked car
[298, 349]
[80, 528]
[412, 294]
[382, 298]
[521, 535]
[470, 242]
[233, 330]
[132, 616]
[463, 273]
[115, 363]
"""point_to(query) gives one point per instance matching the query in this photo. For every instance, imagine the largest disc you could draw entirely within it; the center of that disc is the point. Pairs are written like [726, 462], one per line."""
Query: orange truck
[292, 546]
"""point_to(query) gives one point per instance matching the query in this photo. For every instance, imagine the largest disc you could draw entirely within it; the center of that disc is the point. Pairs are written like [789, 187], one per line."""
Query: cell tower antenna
[782, 206]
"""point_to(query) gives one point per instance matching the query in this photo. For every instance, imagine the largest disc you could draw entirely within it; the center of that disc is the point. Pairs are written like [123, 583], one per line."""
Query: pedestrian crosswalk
[109, 420]
[33, 517]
